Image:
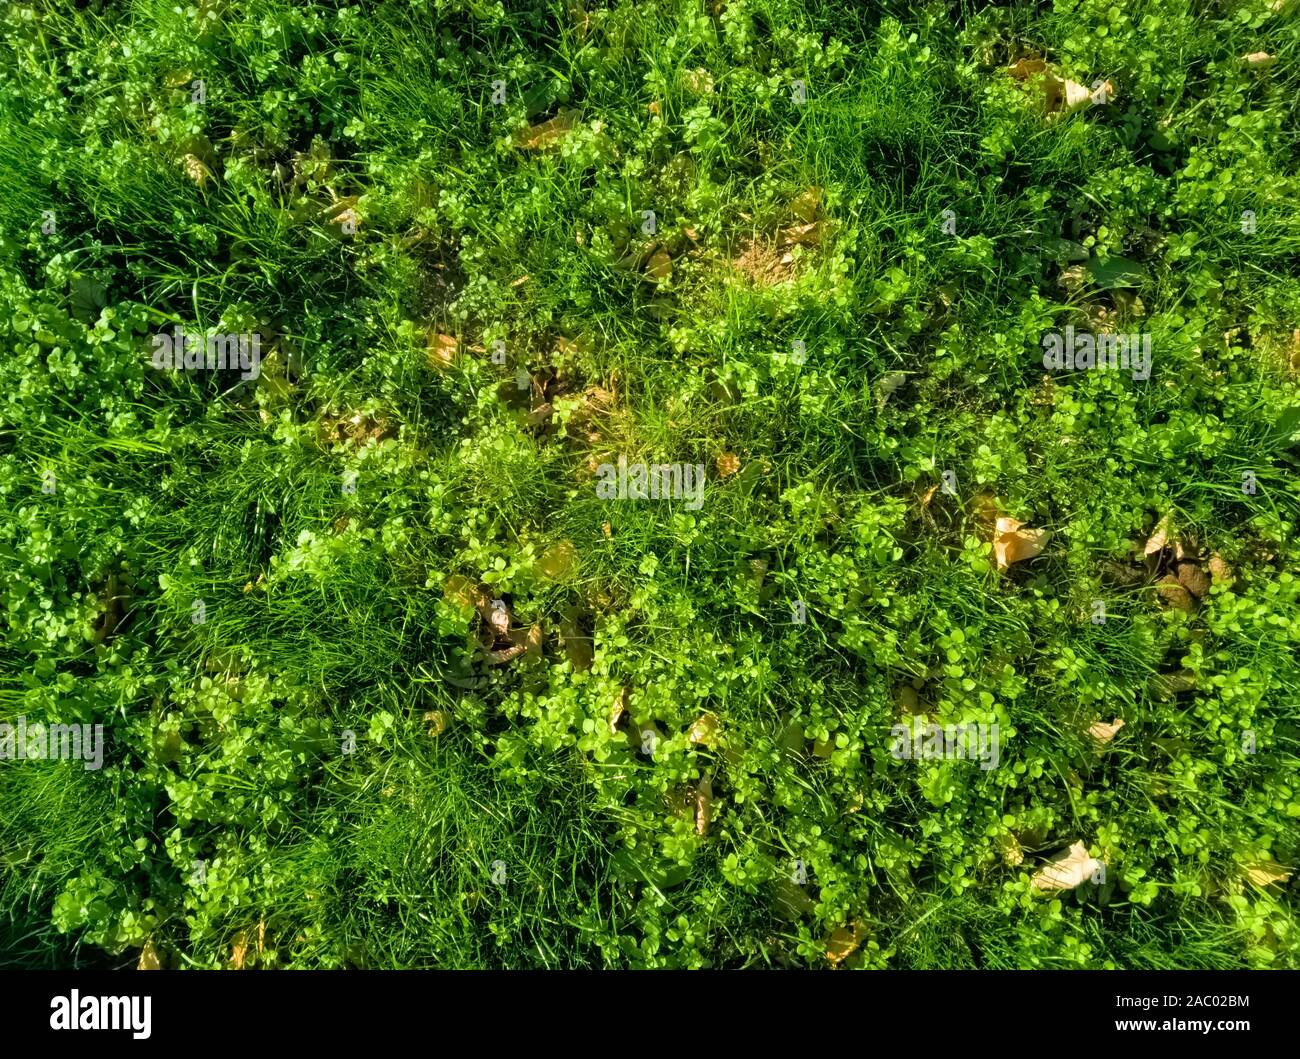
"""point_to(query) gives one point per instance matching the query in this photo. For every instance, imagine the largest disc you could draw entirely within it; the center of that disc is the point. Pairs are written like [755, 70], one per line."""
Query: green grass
[276, 791]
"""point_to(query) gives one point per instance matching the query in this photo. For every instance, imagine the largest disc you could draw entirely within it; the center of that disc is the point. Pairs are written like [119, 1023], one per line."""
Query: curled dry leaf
[1219, 568]
[1068, 870]
[1013, 544]
[1171, 590]
[1060, 94]
[1159, 537]
[497, 617]
[619, 710]
[1103, 732]
[703, 805]
[522, 641]
[1194, 579]
[239, 951]
[437, 721]
[1259, 59]
[196, 170]
[801, 235]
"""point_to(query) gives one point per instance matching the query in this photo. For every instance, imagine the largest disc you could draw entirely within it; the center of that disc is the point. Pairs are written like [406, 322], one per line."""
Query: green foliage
[328, 770]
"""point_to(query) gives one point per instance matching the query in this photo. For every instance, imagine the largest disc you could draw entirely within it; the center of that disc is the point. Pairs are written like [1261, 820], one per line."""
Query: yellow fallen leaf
[703, 805]
[1259, 59]
[704, 731]
[437, 721]
[196, 170]
[239, 951]
[807, 204]
[558, 561]
[844, 942]
[801, 234]
[1013, 544]
[619, 709]
[149, 960]
[659, 267]
[1103, 732]
[1266, 872]
[463, 591]
[1061, 95]
[1066, 96]
[442, 350]
[1159, 537]
[1069, 870]
[1027, 68]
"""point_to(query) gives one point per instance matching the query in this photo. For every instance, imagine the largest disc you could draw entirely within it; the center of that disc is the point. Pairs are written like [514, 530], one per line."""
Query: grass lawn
[650, 484]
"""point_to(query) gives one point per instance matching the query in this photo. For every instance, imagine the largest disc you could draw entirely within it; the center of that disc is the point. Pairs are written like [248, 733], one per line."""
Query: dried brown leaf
[1219, 568]
[239, 951]
[1194, 579]
[801, 235]
[1171, 590]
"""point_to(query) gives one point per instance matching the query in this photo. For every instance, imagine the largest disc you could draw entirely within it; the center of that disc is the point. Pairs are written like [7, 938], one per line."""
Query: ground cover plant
[625, 501]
